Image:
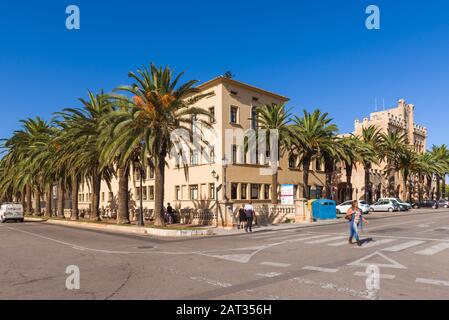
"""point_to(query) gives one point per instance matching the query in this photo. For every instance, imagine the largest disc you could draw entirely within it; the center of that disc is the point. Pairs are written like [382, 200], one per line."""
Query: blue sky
[318, 53]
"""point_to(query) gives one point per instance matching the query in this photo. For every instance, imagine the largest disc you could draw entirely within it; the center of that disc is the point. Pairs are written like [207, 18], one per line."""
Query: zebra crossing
[390, 244]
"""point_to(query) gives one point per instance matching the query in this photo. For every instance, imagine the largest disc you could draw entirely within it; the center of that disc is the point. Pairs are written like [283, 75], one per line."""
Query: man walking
[250, 213]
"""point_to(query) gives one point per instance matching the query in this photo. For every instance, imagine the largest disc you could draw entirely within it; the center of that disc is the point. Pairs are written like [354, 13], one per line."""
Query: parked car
[344, 207]
[11, 211]
[385, 206]
[401, 206]
[443, 204]
[426, 204]
[407, 205]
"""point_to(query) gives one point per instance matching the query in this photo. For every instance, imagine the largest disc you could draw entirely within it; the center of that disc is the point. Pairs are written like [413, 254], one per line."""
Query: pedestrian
[356, 220]
[170, 214]
[242, 218]
[250, 213]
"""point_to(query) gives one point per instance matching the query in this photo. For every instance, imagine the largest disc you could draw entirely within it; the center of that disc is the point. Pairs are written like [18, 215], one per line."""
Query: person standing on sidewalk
[356, 220]
[250, 213]
[242, 217]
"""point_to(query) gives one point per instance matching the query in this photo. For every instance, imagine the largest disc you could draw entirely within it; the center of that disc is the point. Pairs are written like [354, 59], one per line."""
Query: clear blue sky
[318, 53]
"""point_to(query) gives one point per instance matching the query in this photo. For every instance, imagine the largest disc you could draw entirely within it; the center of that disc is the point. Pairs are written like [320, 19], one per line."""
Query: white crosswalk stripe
[434, 249]
[326, 240]
[338, 244]
[299, 236]
[404, 246]
[376, 243]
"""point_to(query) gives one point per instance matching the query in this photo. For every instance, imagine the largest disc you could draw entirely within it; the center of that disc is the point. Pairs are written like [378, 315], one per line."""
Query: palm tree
[275, 117]
[441, 155]
[313, 135]
[352, 150]
[370, 139]
[393, 147]
[83, 129]
[144, 123]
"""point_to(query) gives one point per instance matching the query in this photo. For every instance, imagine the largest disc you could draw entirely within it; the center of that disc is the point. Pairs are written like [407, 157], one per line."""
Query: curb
[126, 229]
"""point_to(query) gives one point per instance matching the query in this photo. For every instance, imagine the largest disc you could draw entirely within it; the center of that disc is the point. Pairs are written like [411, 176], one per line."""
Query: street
[411, 252]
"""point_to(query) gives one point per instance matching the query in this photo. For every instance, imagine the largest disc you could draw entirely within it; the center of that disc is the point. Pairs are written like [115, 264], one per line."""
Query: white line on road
[328, 270]
[434, 249]
[269, 274]
[276, 264]
[434, 282]
[326, 240]
[376, 243]
[382, 276]
[337, 244]
[404, 246]
[289, 237]
[212, 282]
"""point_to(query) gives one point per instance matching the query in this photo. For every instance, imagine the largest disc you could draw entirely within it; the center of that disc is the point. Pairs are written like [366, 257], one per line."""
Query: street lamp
[215, 176]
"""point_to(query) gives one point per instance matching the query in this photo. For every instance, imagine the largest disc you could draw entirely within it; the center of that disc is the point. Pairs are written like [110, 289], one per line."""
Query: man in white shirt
[249, 211]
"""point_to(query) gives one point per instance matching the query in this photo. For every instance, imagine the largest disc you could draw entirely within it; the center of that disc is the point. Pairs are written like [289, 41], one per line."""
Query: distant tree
[228, 74]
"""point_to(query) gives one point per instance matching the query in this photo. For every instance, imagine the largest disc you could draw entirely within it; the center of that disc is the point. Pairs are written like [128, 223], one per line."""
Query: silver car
[385, 206]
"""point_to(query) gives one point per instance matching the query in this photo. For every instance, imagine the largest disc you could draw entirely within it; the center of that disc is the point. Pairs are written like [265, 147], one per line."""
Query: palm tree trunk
[29, 207]
[74, 212]
[305, 174]
[329, 168]
[429, 187]
[96, 186]
[404, 186]
[420, 187]
[367, 167]
[60, 204]
[348, 183]
[48, 212]
[23, 199]
[123, 195]
[37, 202]
[438, 188]
[410, 196]
[159, 190]
[443, 188]
[274, 188]
[391, 183]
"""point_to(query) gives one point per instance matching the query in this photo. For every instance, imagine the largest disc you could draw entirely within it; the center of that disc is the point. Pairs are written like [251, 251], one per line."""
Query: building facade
[200, 182]
[400, 118]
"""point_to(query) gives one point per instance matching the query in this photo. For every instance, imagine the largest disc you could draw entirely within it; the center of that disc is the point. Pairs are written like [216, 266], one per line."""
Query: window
[111, 196]
[234, 93]
[211, 191]
[234, 114]
[255, 188]
[194, 192]
[233, 191]
[177, 193]
[255, 99]
[194, 158]
[151, 193]
[212, 156]
[138, 193]
[212, 115]
[319, 165]
[292, 162]
[151, 169]
[243, 191]
[266, 192]
[144, 193]
[102, 197]
[254, 117]
[234, 154]
[319, 192]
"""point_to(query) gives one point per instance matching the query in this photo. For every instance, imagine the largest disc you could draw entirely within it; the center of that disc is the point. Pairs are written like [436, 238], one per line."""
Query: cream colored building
[199, 184]
[401, 118]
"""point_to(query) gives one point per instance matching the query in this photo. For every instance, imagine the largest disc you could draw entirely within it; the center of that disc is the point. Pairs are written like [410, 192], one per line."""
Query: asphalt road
[410, 251]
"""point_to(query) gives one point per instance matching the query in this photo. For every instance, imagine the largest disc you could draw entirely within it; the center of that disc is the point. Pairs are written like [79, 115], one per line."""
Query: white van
[11, 211]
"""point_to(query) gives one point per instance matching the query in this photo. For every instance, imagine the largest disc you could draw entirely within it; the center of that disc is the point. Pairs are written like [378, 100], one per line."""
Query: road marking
[328, 270]
[423, 226]
[337, 244]
[376, 243]
[434, 249]
[304, 239]
[434, 282]
[269, 274]
[264, 235]
[362, 262]
[289, 237]
[276, 264]
[326, 240]
[212, 282]
[382, 276]
[404, 246]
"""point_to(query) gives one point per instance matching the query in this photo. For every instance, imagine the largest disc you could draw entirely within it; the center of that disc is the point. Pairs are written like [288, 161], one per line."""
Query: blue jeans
[353, 231]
